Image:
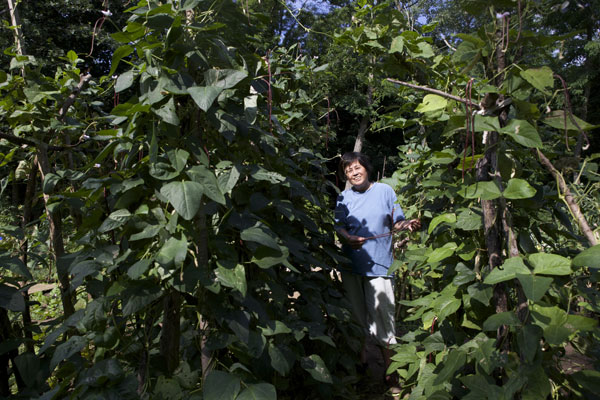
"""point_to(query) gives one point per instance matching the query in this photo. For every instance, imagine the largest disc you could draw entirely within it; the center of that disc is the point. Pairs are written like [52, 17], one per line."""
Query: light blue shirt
[368, 214]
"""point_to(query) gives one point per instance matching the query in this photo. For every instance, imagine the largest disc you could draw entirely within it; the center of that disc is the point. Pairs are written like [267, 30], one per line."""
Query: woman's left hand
[410, 225]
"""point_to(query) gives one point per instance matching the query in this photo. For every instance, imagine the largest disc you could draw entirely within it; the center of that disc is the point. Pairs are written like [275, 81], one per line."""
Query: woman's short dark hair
[351, 156]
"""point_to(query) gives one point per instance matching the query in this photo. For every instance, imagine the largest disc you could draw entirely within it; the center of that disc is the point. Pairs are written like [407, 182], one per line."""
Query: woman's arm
[354, 241]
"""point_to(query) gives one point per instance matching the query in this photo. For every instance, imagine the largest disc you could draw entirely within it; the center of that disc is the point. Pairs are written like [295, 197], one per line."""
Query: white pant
[373, 305]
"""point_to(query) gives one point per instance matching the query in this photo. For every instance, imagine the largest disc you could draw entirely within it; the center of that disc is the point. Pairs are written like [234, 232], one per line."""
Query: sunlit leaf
[534, 287]
[124, 81]
[316, 368]
[448, 218]
[260, 234]
[432, 102]
[518, 189]
[454, 361]
[204, 96]
[486, 190]
[184, 196]
[507, 271]
[540, 78]
[523, 133]
[115, 220]
[550, 264]
[588, 258]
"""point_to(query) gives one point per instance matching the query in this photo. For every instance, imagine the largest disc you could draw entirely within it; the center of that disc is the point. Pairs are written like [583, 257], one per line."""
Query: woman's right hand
[355, 242]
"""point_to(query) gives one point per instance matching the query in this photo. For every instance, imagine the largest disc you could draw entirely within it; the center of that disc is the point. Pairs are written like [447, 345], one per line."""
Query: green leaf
[50, 181]
[260, 234]
[167, 388]
[185, 197]
[232, 277]
[534, 286]
[221, 385]
[518, 189]
[448, 217]
[139, 268]
[224, 78]
[250, 108]
[148, 232]
[266, 257]
[580, 323]
[173, 251]
[258, 391]
[11, 299]
[445, 305]
[316, 368]
[115, 220]
[124, 81]
[588, 380]
[504, 318]
[140, 295]
[275, 328]
[168, 113]
[397, 45]
[431, 102]
[588, 258]
[121, 52]
[478, 385]
[425, 50]
[481, 293]
[540, 78]
[469, 220]
[486, 123]
[523, 133]
[463, 275]
[204, 96]
[65, 350]
[507, 271]
[282, 358]
[557, 118]
[189, 4]
[15, 265]
[486, 190]
[442, 252]
[208, 181]
[178, 158]
[162, 171]
[454, 361]
[550, 264]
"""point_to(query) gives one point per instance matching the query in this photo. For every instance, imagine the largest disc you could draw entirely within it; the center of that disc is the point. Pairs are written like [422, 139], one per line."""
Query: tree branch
[83, 79]
[571, 203]
[435, 91]
[34, 142]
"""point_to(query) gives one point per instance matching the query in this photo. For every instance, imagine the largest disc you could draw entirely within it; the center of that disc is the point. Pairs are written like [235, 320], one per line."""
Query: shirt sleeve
[397, 213]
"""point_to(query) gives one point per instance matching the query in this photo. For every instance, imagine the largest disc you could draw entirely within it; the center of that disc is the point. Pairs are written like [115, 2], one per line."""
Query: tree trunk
[4, 358]
[170, 332]
[16, 22]
[206, 356]
[56, 236]
[27, 205]
[362, 128]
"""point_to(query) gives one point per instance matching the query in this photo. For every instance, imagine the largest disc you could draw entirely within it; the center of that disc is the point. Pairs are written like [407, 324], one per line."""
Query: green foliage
[462, 344]
[202, 187]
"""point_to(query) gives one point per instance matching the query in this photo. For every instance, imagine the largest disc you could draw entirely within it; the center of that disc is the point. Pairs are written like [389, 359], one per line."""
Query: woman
[366, 215]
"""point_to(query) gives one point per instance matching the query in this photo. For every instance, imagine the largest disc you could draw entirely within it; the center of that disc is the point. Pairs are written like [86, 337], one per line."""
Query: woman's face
[357, 175]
